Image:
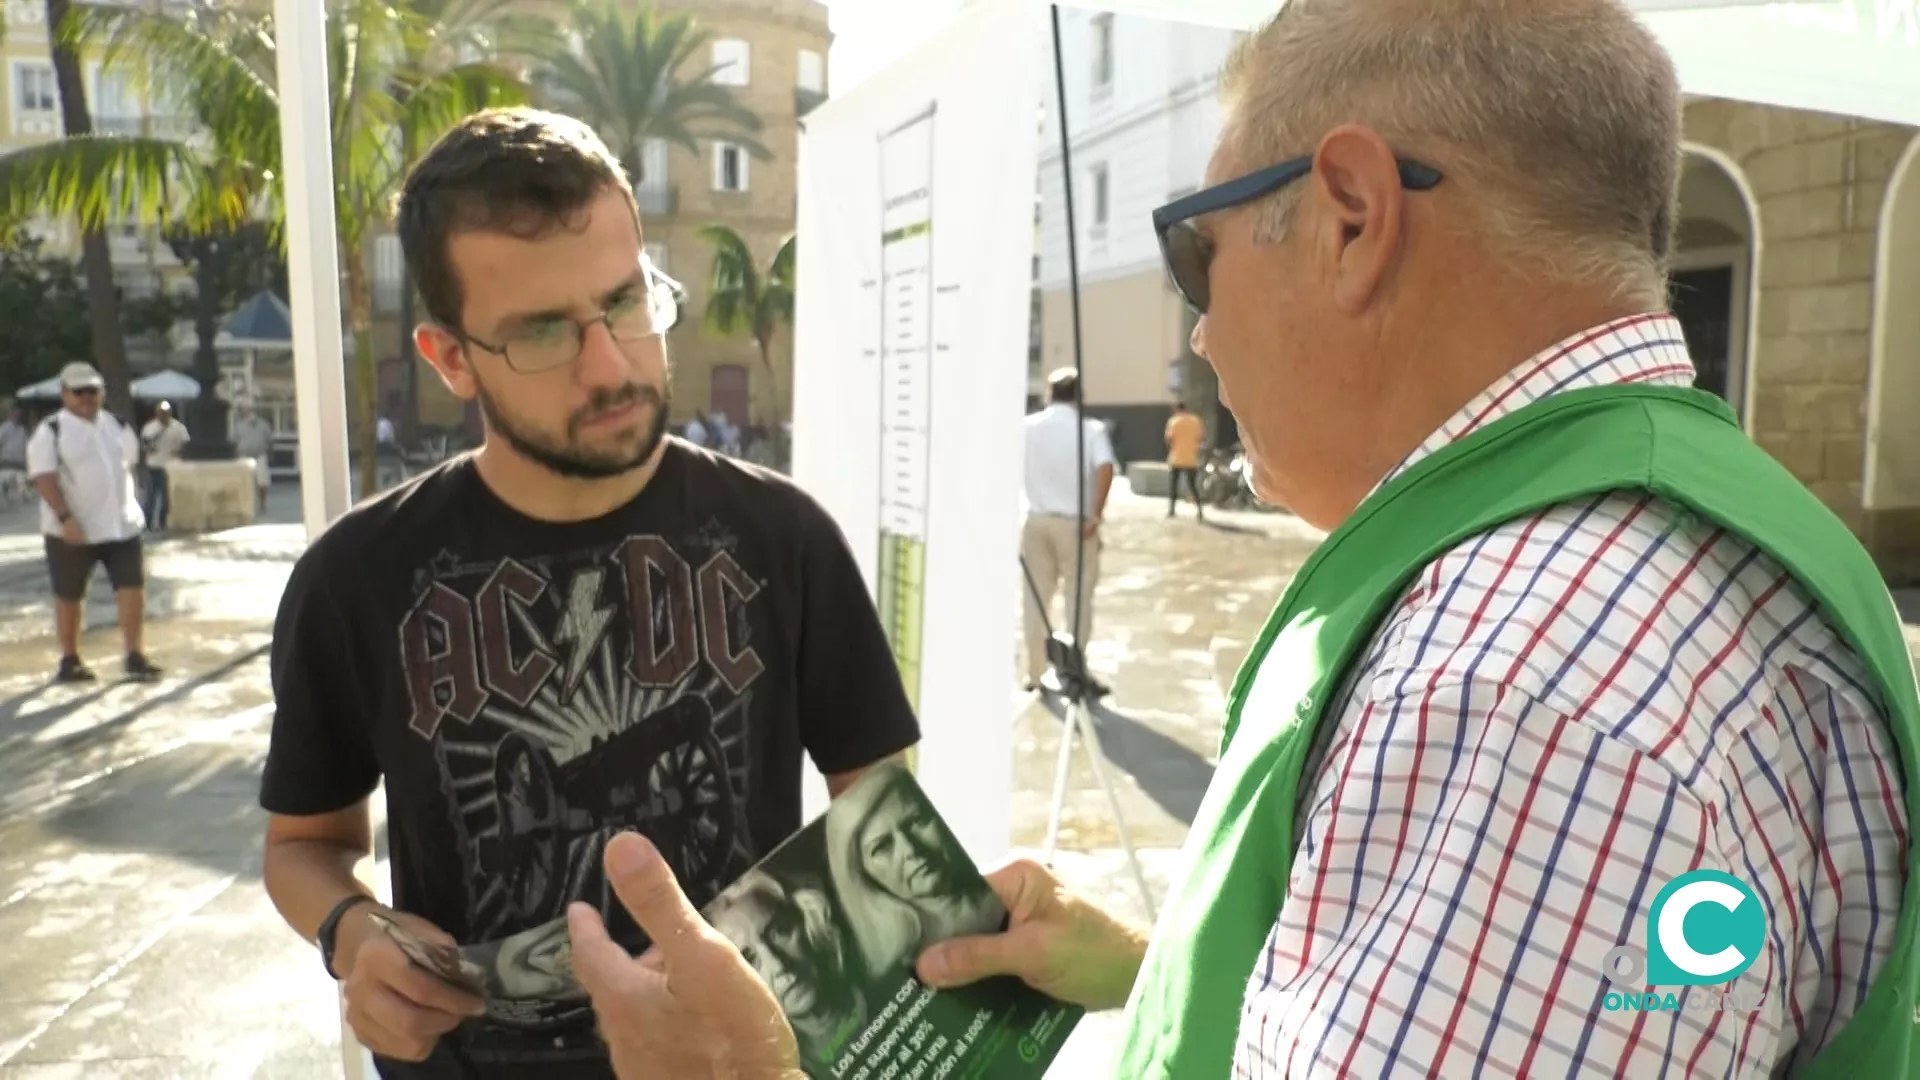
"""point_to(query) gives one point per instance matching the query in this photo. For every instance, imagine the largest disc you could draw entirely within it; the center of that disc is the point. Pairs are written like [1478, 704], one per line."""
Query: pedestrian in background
[253, 438]
[1060, 539]
[82, 461]
[1185, 433]
[163, 438]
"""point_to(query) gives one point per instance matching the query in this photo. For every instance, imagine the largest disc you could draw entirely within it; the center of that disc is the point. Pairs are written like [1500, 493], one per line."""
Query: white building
[1143, 114]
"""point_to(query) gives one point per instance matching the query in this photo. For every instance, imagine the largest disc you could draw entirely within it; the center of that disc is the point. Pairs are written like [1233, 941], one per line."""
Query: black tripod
[1064, 651]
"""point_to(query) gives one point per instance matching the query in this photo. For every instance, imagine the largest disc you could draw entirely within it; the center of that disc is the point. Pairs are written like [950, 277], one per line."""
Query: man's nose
[1197, 341]
[602, 360]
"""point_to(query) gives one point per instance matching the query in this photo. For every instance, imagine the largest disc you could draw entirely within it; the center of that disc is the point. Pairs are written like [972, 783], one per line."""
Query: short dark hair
[1063, 385]
[520, 171]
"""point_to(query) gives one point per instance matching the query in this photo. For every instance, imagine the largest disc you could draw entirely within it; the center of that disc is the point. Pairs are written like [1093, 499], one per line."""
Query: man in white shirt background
[13, 457]
[82, 461]
[163, 437]
[1053, 535]
[13, 440]
[253, 438]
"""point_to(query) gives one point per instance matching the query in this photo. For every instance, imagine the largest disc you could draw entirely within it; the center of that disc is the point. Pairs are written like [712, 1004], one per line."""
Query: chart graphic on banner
[906, 385]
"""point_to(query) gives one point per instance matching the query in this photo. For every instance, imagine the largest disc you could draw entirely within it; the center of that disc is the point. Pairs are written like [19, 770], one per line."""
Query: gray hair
[1560, 119]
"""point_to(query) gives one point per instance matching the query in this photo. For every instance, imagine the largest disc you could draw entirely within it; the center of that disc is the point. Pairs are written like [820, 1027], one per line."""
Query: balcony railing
[805, 101]
[657, 199]
[159, 127]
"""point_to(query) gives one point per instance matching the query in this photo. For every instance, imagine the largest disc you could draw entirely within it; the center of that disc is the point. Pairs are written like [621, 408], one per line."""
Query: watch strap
[330, 926]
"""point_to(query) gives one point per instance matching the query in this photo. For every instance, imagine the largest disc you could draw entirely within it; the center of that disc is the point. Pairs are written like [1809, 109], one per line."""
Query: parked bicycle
[1226, 480]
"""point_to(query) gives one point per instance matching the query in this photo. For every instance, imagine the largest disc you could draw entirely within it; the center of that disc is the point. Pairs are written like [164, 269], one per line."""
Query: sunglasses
[1188, 253]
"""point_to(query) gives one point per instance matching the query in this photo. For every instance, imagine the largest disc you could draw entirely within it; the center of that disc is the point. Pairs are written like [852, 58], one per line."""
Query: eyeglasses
[1188, 253]
[556, 343]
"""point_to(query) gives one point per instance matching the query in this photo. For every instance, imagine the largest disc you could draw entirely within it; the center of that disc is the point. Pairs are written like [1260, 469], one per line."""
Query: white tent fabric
[160, 386]
[44, 390]
[166, 386]
[1853, 57]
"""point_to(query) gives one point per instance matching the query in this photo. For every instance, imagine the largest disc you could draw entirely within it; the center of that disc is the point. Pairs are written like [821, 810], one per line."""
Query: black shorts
[71, 564]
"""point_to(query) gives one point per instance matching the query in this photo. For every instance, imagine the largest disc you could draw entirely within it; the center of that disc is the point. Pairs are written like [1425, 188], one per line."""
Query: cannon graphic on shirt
[666, 776]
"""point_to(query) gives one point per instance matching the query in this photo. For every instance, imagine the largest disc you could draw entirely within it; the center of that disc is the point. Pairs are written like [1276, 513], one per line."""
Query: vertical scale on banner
[906, 386]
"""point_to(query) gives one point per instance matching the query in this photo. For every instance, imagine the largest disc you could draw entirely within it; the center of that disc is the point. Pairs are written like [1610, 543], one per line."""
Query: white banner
[911, 331]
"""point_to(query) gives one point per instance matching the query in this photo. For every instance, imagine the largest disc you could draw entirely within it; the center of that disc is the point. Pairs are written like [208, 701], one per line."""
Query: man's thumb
[963, 960]
[647, 888]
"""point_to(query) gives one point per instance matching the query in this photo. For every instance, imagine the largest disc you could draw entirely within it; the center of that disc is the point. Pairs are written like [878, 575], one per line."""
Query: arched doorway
[1892, 474]
[1711, 288]
[729, 393]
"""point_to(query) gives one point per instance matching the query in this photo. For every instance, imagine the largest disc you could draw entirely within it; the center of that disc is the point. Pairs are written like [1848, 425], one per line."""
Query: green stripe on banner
[907, 232]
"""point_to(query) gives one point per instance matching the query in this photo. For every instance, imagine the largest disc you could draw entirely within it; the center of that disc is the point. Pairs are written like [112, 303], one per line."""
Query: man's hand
[72, 533]
[1090, 528]
[396, 1008]
[1056, 942]
[692, 1007]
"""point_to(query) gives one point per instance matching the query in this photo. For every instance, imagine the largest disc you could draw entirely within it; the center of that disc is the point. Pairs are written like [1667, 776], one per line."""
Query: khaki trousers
[1047, 543]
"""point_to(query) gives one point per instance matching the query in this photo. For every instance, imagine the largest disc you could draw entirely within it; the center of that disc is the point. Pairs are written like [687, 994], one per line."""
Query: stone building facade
[1827, 220]
[785, 47]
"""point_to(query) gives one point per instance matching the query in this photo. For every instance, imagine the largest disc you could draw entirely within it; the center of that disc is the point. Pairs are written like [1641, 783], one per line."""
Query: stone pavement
[137, 940]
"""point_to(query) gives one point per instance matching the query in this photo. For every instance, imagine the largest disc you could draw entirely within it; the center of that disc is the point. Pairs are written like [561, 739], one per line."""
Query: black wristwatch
[331, 926]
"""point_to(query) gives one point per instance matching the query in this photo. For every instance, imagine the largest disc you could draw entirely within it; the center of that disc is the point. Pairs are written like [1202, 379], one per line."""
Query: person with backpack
[82, 460]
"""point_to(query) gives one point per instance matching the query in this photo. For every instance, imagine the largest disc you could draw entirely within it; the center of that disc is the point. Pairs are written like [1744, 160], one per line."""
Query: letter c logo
[1706, 927]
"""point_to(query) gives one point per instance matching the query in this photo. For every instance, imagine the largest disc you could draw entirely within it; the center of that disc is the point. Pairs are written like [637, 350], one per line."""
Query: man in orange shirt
[1184, 434]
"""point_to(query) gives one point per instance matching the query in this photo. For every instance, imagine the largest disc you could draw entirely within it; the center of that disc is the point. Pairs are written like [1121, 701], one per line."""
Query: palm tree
[96, 259]
[640, 77]
[223, 59]
[742, 299]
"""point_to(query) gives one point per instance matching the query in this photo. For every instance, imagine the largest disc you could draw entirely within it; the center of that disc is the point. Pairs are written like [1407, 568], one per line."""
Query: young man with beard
[583, 628]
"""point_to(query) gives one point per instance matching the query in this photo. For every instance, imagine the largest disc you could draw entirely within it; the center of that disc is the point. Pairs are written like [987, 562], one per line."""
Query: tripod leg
[1059, 786]
[1077, 717]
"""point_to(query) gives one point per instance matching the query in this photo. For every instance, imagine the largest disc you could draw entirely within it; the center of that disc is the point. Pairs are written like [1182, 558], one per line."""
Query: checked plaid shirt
[1557, 718]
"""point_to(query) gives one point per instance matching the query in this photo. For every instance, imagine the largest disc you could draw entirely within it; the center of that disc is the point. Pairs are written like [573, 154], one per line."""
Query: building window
[1103, 52]
[1102, 198]
[729, 167]
[657, 255]
[813, 72]
[731, 62]
[35, 93]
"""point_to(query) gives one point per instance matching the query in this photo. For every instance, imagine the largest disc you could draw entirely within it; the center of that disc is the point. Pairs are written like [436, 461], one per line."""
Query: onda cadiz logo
[1705, 928]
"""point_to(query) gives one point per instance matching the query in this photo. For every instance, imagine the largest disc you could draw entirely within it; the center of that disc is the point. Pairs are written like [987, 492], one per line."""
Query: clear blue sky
[868, 35]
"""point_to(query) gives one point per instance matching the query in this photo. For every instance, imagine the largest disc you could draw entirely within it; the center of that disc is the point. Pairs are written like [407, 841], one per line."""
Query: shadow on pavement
[196, 804]
[1171, 775]
[16, 723]
[1230, 527]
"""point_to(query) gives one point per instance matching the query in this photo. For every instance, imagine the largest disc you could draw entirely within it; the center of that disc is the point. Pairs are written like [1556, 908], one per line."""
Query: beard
[562, 455]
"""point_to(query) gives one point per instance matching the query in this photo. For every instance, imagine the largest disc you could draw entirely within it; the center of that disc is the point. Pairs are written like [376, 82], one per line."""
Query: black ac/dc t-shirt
[529, 689]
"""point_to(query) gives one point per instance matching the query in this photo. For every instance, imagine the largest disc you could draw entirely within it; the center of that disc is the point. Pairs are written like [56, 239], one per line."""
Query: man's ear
[1358, 181]
[448, 358]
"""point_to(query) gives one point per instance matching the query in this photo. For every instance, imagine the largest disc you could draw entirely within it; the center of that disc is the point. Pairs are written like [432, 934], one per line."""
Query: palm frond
[733, 283]
[99, 179]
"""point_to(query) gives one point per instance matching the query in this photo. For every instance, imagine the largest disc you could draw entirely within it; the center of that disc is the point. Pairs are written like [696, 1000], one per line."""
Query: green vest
[1683, 446]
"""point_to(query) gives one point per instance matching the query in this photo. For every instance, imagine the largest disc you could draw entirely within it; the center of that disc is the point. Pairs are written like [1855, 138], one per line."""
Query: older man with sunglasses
[1583, 694]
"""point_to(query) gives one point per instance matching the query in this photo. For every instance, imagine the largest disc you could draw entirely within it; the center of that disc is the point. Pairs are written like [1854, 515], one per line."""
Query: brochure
[833, 920]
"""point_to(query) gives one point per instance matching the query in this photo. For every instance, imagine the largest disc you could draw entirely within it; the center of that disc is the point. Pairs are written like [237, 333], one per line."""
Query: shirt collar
[1647, 348]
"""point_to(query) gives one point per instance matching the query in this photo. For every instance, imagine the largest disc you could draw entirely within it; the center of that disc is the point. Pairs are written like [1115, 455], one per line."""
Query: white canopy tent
[1856, 57]
[159, 386]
